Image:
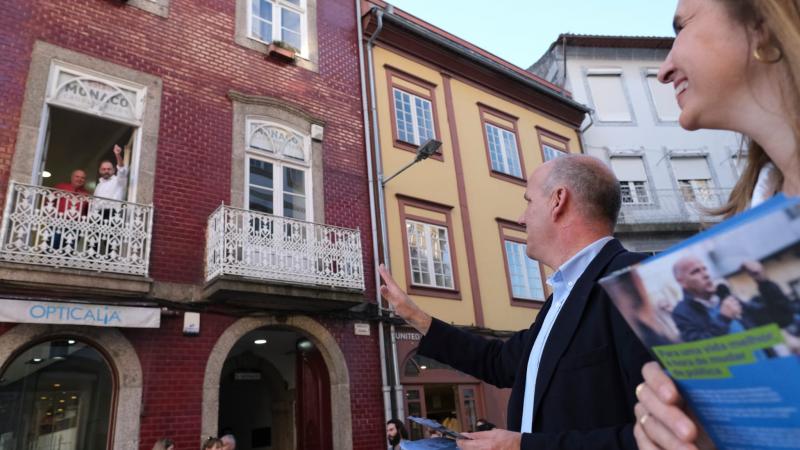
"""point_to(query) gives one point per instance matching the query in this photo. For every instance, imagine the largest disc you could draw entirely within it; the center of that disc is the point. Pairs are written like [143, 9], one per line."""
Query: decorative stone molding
[280, 112]
[322, 339]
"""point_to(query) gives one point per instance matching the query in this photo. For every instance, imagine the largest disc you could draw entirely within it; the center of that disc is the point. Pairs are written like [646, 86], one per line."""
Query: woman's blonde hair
[781, 19]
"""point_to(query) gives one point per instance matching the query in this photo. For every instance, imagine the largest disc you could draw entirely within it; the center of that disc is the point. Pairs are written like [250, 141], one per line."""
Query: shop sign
[407, 336]
[23, 311]
[95, 94]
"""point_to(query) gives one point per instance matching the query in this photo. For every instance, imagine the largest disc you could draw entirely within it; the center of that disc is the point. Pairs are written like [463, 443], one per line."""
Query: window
[412, 106]
[429, 255]
[524, 273]
[57, 394]
[413, 118]
[277, 178]
[634, 192]
[608, 95]
[524, 276]
[553, 145]
[695, 190]
[693, 177]
[550, 153]
[279, 20]
[503, 150]
[663, 96]
[501, 140]
[632, 179]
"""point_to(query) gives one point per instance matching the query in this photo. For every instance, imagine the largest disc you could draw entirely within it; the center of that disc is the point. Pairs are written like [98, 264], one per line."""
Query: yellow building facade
[453, 237]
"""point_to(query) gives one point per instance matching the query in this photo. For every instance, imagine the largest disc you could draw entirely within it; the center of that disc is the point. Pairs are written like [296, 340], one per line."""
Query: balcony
[261, 257]
[58, 229]
[671, 207]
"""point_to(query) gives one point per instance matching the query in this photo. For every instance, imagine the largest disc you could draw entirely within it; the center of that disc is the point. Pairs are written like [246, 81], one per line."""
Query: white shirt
[562, 283]
[114, 187]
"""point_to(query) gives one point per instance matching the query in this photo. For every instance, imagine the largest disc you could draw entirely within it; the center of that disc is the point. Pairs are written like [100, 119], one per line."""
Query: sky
[520, 31]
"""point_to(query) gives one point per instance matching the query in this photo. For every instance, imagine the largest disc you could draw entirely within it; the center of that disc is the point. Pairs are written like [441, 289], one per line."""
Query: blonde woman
[735, 65]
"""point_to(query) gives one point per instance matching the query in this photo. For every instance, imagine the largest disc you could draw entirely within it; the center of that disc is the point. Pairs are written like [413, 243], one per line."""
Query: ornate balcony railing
[55, 228]
[266, 247]
[673, 206]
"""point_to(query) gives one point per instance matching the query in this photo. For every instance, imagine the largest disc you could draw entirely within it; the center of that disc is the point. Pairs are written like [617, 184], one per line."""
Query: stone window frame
[31, 128]
[309, 60]
[279, 112]
[609, 72]
[157, 7]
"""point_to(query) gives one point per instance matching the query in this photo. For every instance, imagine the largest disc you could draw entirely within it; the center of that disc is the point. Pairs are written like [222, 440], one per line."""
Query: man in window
[71, 207]
[77, 183]
[573, 373]
[111, 185]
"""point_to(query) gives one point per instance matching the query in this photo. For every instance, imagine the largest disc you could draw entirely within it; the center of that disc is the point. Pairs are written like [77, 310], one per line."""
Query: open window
[86, 115]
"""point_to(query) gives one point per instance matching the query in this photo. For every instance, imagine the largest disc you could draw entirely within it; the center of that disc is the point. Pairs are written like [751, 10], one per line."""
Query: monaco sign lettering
[94, 95]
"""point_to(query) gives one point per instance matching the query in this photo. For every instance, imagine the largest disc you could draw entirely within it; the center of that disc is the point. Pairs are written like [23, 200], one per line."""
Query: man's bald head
[593, 184]
[692, 274]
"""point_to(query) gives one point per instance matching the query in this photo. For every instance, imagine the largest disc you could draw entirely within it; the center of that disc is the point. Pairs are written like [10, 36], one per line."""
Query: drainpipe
[365, 109]
[398, 388]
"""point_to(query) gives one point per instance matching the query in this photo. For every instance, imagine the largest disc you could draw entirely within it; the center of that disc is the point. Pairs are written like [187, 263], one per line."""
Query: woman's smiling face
[708, 64]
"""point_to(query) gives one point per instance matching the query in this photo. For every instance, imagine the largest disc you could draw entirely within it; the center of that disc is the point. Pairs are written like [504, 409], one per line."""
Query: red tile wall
[194, 54]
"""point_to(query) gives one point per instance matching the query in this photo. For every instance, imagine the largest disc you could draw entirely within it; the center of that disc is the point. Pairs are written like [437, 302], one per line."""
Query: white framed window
[693, 177]
[663, 96]
[550, 153]
[524, 272]
[695, 190]
[413, 117]
[278, 173]
[634, 192]
[429, 255]
[632, 179]
[503, 150]
[608, 95]
[279, 20]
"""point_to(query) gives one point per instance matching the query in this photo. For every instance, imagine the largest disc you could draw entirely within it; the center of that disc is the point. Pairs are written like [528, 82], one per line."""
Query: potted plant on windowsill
[282, 50]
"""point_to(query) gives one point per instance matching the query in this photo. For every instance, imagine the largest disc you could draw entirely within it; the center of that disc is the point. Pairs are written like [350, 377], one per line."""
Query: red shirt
[65, 203]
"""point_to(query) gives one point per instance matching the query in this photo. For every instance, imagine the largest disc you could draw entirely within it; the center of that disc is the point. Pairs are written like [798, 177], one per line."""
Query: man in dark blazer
[573, 373]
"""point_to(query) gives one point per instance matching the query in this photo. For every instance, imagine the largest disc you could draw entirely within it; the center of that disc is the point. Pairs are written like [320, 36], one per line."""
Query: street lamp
[424, 151]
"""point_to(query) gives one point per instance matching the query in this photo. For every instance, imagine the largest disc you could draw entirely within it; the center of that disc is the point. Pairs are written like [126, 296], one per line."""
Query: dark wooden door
[314, 430]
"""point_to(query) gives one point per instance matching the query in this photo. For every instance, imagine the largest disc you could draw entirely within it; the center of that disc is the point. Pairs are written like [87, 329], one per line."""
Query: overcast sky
[521, 30]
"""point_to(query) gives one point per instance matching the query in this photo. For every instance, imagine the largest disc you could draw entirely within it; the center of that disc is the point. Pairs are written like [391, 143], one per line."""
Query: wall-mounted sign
[407, 336]
[95, 93]
[361, 329]
[246, 375]
[191, 323]
[23, 311]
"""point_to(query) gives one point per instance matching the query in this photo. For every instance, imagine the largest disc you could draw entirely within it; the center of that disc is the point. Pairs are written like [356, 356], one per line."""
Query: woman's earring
[768, 54]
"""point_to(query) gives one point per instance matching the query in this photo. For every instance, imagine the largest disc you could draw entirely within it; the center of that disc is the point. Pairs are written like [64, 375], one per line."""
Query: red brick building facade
[208, 115]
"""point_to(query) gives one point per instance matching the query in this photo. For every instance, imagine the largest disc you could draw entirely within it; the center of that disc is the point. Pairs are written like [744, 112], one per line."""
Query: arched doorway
[278, 385]
[274, 392]
[58, 395]
[118, 352]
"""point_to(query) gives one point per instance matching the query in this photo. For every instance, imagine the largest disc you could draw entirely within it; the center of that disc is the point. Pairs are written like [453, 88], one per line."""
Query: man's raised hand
[402, 303]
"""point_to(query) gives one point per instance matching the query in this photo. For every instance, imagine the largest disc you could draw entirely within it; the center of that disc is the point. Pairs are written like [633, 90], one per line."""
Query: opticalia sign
[22, 311]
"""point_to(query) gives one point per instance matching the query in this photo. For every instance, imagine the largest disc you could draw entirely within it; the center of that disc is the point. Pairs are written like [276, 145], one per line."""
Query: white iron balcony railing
[55, 228]
[266, 247]
[654, 206]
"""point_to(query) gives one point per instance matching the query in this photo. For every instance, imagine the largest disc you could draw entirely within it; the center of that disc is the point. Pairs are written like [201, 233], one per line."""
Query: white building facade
[669, 176]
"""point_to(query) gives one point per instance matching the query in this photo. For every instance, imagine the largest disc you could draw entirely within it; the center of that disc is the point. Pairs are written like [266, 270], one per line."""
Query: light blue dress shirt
[562, 282]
